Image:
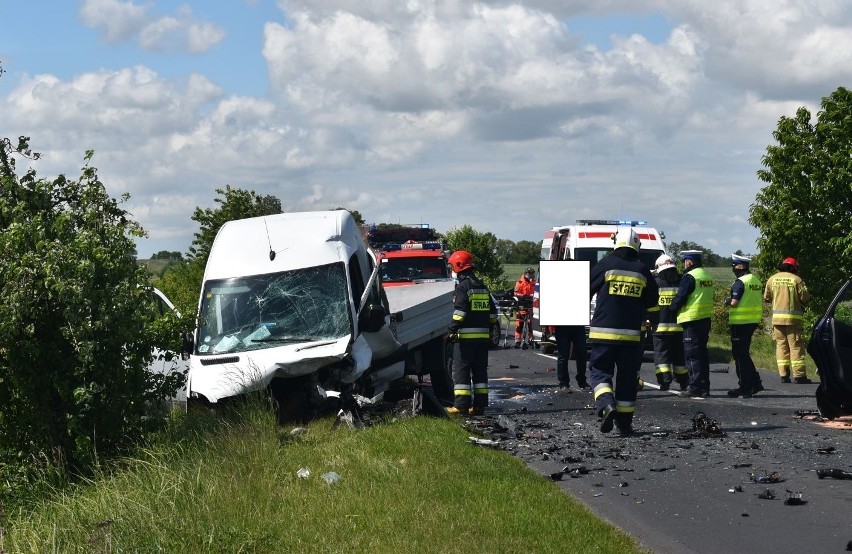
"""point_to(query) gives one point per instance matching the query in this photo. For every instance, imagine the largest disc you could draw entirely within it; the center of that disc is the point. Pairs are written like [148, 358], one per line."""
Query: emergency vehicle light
[632, 223]
[421, 246]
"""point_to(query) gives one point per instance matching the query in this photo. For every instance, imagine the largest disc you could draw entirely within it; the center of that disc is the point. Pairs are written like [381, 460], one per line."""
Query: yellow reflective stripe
[603, 388]
[457, 317]
[797, 363]
[604, 333]
[664, 368]
[625, 276]
[654, 309]
[669, 328]
[681, 370]
[623, 407]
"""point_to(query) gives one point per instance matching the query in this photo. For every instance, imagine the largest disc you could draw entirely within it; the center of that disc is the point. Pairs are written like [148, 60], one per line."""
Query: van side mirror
[187, 345]
[373, 318]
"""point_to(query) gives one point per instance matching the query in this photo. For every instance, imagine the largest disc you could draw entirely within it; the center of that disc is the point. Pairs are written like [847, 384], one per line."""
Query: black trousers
[747, 374]
[695, 337]
[470, 373]
[613, 373]
[568, 336]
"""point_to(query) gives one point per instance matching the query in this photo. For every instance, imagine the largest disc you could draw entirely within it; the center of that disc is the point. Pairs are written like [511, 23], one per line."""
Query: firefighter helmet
[461, 260]
[791, 261]
[627, 238]
[664, 262]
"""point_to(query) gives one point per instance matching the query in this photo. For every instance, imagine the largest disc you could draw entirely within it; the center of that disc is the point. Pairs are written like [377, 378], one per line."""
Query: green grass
[412, 485]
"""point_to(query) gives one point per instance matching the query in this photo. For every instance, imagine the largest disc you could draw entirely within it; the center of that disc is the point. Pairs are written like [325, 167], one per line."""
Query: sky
[510, 117]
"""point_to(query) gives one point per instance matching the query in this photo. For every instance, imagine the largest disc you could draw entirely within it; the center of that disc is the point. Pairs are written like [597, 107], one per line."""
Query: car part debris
[765, 477]
[737, 488]
[703, 428]
[297, 431]
[834, 473]
[507, 426]
[659, 469]
[806, 413]
[484, 442]
[766, 495]
[794, 499]
[660, 434]
[741, 465]
[826, 450]
[303, 473]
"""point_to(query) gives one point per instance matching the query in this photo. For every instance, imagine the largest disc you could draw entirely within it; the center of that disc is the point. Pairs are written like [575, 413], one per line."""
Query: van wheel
[825, 407]
[496, 333]
[438, 361]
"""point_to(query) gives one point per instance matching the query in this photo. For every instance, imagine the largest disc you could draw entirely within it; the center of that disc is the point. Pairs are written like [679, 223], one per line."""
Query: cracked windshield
[262, 311]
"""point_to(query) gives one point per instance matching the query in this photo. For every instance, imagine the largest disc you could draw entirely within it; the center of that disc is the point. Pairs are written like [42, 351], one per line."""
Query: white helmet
[627, 237]
[664, 262]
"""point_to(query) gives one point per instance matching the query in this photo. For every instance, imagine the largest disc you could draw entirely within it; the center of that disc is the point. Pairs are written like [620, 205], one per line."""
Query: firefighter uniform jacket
[789, 296]
[626, 290]
[668, 281]
[474, 309]
[746, 290]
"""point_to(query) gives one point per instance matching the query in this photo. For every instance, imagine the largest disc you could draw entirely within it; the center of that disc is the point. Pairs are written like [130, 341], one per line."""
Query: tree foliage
[708, 257]
[182, 281]
[805, 209]
[483, 248]
[234, 203]
[75, 333]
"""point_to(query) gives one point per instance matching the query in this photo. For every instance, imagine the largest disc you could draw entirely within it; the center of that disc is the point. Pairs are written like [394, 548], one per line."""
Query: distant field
[156, 267]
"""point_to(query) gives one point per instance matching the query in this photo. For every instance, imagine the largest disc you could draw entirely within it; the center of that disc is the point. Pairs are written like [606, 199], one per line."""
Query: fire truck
[408, 254]
[591, 240]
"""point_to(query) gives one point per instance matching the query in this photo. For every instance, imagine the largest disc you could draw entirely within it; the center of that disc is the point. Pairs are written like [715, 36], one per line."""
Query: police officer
[473, 317]
[789, 296]
[693, 304]
[746, 312]
[668, 334]
[625, 290]
[524, 290]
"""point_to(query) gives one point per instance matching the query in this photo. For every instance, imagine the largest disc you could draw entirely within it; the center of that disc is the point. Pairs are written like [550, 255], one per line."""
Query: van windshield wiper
[286, 339]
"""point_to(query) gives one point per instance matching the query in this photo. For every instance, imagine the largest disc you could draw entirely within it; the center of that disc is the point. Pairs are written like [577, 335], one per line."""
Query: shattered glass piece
[331, 477]
[834, 473]
[303, 473]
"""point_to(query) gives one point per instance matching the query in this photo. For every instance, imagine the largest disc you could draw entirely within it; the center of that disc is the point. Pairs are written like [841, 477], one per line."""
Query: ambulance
[592, 240]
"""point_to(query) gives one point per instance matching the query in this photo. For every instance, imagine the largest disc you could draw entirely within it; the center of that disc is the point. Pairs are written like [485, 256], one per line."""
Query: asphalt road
[670, 490]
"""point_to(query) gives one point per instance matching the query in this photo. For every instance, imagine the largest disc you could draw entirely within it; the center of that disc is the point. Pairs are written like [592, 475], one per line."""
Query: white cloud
[122, 21]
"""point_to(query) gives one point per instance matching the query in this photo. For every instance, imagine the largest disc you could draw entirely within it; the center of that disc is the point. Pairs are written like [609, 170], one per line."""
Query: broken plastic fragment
[296, 431]
[484, 442]
[834, 473]
[303, 473]
[767, 495]
[331, 477]
[826, 450]
[737, 488]
[794, 499]
[764, 477]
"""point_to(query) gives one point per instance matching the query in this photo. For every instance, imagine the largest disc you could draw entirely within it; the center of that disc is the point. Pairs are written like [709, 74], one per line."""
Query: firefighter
[789, 296]
[625, 290]
[470, 330]
[746, 312]
[669, 362]
[524, 290]
[693, 305]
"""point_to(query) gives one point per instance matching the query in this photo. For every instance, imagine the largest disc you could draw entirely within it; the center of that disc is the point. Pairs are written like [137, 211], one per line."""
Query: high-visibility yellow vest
[699, 303]
[750, 307]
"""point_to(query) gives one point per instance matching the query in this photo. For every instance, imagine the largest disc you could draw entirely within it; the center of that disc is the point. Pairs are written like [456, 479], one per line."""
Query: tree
[233, 204]
[75, 334]
[182, 281]
[805, 210]
[483, 248]
[166, 255]
[526, 252]
[708, 257]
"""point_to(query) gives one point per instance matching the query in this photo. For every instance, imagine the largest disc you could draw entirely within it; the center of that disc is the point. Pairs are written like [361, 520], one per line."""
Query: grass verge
[411, 485]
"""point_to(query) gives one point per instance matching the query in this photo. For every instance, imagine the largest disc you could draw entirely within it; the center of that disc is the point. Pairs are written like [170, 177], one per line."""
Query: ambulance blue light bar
[630, 222]
[412, 246]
